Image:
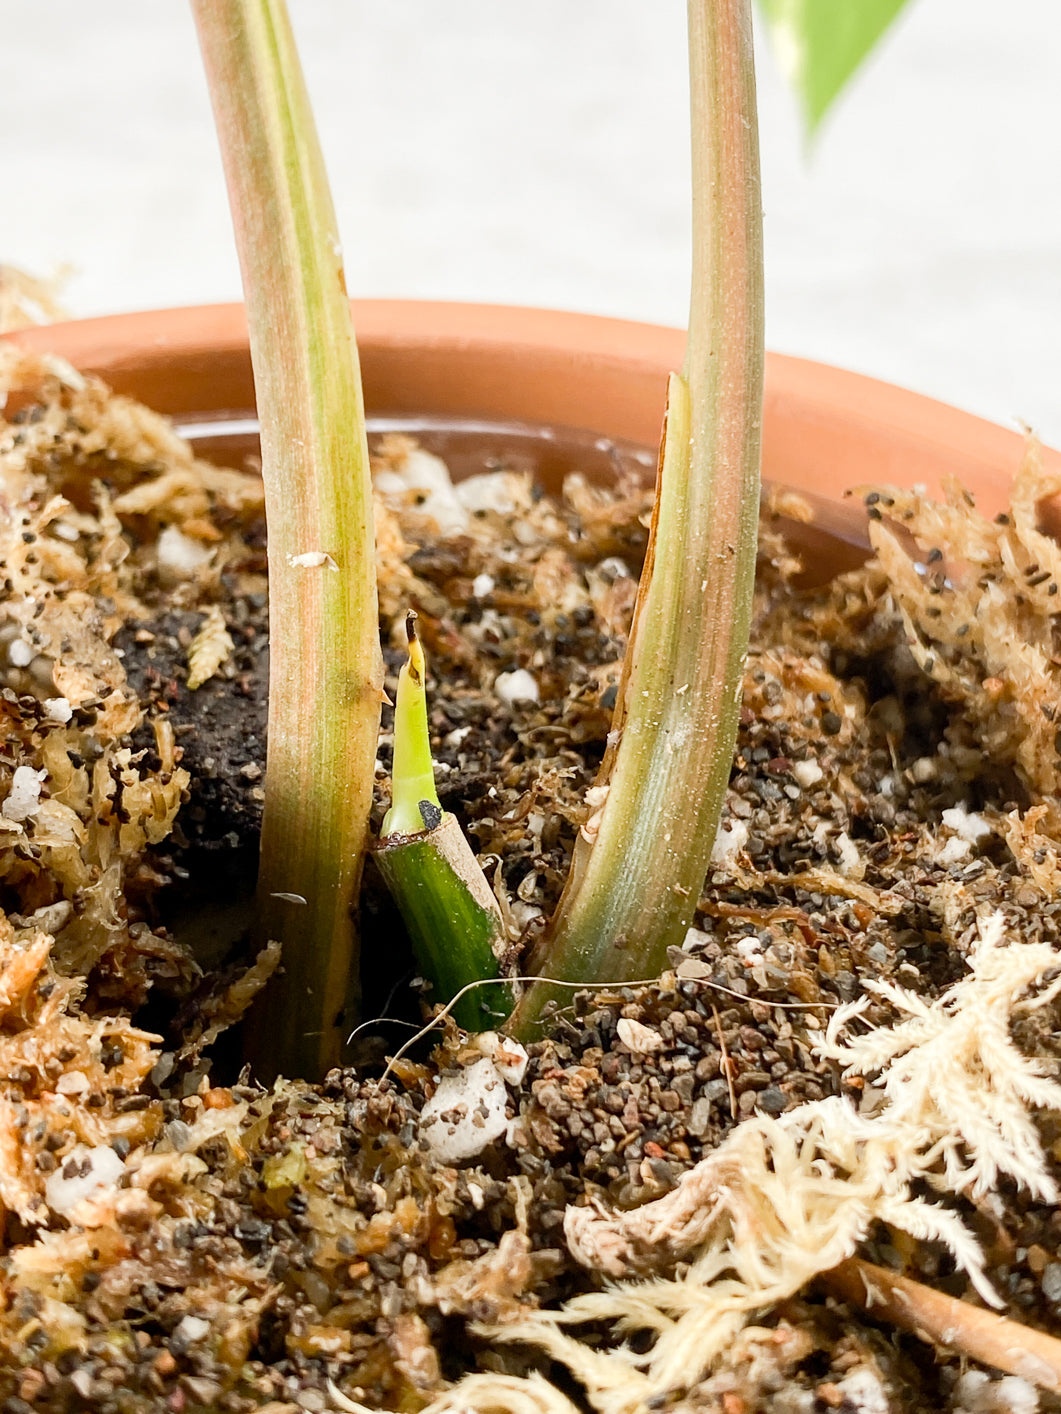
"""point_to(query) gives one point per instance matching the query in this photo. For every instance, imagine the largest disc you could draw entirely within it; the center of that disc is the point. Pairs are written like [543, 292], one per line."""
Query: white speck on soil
[850, 860]
[58, 709]
[516, 686]
[509, 1057]
[24, 798]
[191, 1329]
[465, 1114]
[953, 852]
[731, 838]
[923, 770]
[85, 1173]
[490, 491]
[976, 1393]
[750, 950]
[966, 824]
[863, 1393]
[181, 556]
[637, 1037]
[427, 478]
[74, 1082]
[807, 773]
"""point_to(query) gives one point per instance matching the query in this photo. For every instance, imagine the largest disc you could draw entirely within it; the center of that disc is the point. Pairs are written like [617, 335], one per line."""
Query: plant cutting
[632, 893]
[628, 882]
[313, 1197]
[638, 867]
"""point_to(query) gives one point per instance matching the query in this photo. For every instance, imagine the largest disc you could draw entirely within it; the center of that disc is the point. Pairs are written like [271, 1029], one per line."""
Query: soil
[305, 1247]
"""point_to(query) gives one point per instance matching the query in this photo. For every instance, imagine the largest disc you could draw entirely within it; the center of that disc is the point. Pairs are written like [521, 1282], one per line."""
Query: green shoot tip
[415, 806]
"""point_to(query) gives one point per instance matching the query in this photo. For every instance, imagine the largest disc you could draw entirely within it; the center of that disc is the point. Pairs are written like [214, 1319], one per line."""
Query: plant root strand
[968, 1330]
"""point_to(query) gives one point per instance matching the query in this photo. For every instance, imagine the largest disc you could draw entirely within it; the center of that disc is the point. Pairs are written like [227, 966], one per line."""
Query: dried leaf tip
[416, 666]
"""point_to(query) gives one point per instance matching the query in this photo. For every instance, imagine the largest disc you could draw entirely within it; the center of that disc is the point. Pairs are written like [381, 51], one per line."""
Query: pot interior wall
[825, 430]
[829, 535]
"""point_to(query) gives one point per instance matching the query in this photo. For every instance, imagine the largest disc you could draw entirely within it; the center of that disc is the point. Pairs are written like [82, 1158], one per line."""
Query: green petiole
[326, 672]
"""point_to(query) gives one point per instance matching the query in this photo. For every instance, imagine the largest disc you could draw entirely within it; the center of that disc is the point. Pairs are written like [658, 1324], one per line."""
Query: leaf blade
[820, 44]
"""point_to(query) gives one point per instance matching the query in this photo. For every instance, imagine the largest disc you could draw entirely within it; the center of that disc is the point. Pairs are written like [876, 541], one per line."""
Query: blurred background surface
[538, 154]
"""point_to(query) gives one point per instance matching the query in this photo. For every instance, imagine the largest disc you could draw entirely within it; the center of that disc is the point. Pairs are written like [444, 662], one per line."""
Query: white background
[494, 150]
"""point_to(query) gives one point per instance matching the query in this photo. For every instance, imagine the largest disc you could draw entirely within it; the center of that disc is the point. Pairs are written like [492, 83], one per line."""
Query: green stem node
[451, 916]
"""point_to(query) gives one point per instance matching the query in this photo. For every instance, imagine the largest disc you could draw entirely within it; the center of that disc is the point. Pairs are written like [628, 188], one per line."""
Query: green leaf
[820, 43]
[413, 771]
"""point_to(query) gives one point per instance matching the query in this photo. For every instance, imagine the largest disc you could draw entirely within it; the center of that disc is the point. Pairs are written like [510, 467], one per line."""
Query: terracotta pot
[825, 430]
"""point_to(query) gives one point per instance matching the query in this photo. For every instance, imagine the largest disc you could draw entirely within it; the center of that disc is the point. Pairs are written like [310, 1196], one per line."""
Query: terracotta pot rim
[825, 429]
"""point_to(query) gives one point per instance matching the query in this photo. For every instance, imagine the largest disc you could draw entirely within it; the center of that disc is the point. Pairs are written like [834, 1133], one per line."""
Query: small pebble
[1051, 1281]
[191, 1328]
[640, 1039]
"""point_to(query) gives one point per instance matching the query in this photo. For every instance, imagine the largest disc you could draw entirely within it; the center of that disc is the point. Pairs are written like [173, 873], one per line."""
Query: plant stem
[632, 892]
[453, 919]
[325, 664]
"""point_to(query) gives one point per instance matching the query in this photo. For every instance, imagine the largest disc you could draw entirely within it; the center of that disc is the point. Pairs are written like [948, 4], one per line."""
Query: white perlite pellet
[510, 1059]
[807, 773]
[58, 709]
[966, 824]
[466, 1113]
[24, 797]
[85, 1173]
[180, 555]
[516, 686]
[730, 840]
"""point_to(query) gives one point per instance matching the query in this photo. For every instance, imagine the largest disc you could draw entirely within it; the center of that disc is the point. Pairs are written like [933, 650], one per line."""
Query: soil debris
[862, 1021]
